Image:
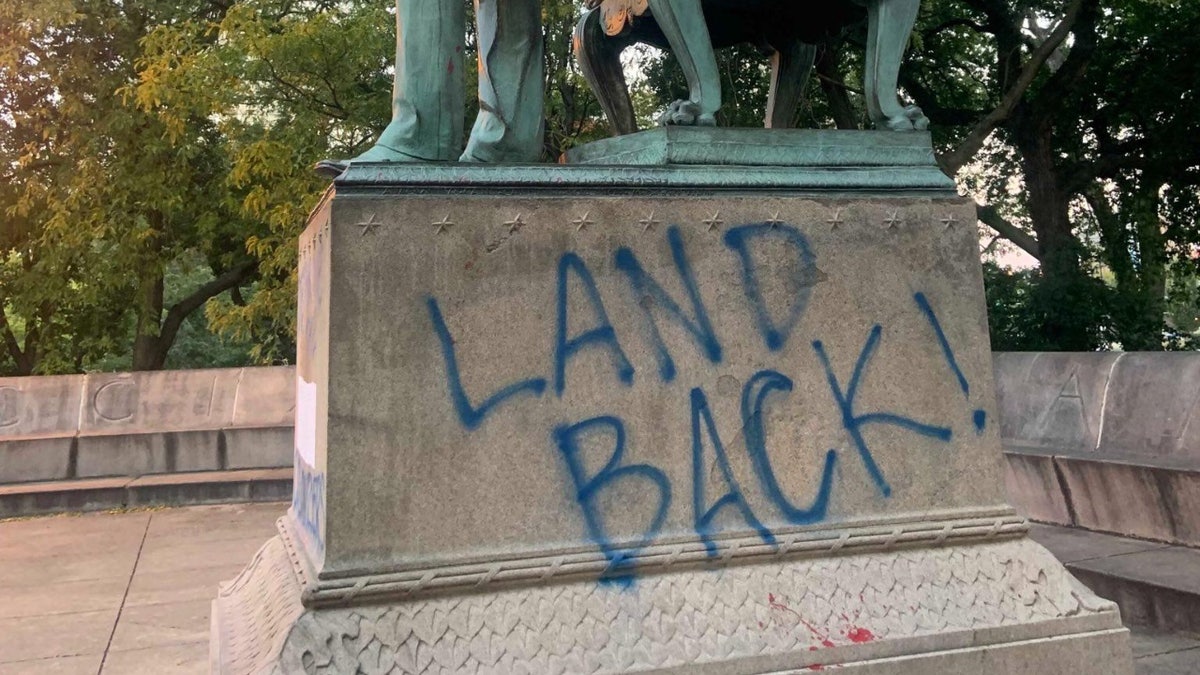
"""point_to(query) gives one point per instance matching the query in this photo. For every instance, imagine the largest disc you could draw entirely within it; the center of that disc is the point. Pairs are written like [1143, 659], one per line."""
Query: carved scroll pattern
[690, 618]
[257, 609]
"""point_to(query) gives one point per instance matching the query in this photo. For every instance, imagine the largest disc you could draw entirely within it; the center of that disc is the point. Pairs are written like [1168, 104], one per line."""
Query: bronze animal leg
[599, 57]
[791, 64]
[889, 24]
[682, 22]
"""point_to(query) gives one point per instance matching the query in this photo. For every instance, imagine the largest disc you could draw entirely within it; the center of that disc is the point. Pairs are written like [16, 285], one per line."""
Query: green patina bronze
[788, 29]
[427, 102]
[427, 111]
[805, 161]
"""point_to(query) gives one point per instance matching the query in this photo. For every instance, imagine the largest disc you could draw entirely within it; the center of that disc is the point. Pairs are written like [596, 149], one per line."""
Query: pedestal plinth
[671, 419]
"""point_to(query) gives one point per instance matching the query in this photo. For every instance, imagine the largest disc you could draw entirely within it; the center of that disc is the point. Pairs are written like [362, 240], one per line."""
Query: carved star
[515, 224]
[836, 220]
[893, 221]
[949, 221]
[443, 225]
[774, 220]
[582, 222]
[648, 223]
[367, 226]
[715, 222]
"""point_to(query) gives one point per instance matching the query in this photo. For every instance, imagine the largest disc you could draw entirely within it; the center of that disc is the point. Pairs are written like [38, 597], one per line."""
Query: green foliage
[102, 195]
[155, 160]
[1078, 141]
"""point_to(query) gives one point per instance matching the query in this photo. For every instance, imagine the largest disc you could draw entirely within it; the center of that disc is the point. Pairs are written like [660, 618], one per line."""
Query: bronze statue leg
[682, 22]
[427, 95]
[599, 57]
[889, 24]
[510, 123]
[791, 65]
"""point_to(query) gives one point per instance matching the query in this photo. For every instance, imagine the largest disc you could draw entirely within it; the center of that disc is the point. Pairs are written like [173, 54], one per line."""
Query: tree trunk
[830, 76]
[148, 353]
[1067, 295]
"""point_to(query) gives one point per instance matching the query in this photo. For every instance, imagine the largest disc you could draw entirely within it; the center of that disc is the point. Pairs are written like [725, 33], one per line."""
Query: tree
[1086, 104]
[1069, 118]
[295, 83]
[102, 195]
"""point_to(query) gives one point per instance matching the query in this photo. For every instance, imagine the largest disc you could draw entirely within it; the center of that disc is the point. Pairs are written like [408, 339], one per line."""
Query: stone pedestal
[675, 419]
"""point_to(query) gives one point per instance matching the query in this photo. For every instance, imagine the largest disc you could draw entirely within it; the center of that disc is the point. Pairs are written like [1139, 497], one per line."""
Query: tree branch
[952, 161]
[989, 216]
[231, 278]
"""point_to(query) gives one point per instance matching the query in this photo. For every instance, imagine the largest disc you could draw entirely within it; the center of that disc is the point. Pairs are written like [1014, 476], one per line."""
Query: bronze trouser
[427, 102]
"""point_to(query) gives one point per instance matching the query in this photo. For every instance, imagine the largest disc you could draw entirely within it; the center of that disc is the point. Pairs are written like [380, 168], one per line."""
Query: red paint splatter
[760, 625]
[813, 648]
[816, 666]
[820, 635]
[860, 635]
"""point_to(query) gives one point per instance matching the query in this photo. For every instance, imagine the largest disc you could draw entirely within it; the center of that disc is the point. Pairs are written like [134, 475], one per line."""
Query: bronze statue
[691, 29]
[427, 100]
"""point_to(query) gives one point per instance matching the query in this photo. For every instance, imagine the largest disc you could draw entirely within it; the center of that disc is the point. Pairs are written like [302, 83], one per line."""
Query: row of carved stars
[714, 222]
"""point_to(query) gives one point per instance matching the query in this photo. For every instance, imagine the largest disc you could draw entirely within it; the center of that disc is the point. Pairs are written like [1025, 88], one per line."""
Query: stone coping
[101, 404]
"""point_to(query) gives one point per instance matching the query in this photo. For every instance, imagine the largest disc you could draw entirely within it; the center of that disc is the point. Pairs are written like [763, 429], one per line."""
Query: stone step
[177, 489]
[1156, 585]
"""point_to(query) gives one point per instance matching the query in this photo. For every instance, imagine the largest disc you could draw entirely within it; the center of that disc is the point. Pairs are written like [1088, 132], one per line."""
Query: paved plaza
[129, 592]
[120, 592]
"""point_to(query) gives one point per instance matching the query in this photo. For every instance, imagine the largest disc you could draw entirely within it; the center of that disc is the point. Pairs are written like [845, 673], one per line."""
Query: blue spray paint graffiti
[647, 291]
[586, 488]
[854, 423]
[594, 492]
[733, 495]
[308, 503]
[754, 396]
[738, 239]
[602, 335]
[471, 416]
[978, 417]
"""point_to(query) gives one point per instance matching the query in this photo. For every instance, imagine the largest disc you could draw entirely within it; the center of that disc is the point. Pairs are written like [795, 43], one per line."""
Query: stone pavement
[109, 593]
[120, 592]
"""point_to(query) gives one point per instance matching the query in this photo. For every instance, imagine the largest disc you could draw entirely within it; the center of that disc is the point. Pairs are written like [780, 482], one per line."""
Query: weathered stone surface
[1033, 487]
[107, 424]
[1154, 406]
[812, 299]
[1109, 437]
[171, 400]
[1134, 499]
[260, 447]
[1053, 401]
[266, 397]
[35, 459]
[620, 427]
[882, 612]
[39, 407]
[137, 454]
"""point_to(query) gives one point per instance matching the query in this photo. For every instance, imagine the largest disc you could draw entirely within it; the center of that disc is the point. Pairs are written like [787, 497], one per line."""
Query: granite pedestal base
[989, 603]
[661, 419]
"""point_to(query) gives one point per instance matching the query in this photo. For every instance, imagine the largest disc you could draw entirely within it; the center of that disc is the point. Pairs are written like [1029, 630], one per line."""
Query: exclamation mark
[979, 417]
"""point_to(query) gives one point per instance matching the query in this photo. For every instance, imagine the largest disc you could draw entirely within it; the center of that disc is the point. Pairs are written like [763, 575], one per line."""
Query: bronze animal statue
[789, 29]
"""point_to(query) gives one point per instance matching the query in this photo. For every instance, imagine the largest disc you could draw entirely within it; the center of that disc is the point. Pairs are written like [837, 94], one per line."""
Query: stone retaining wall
[1104, 441]
[131, 424]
